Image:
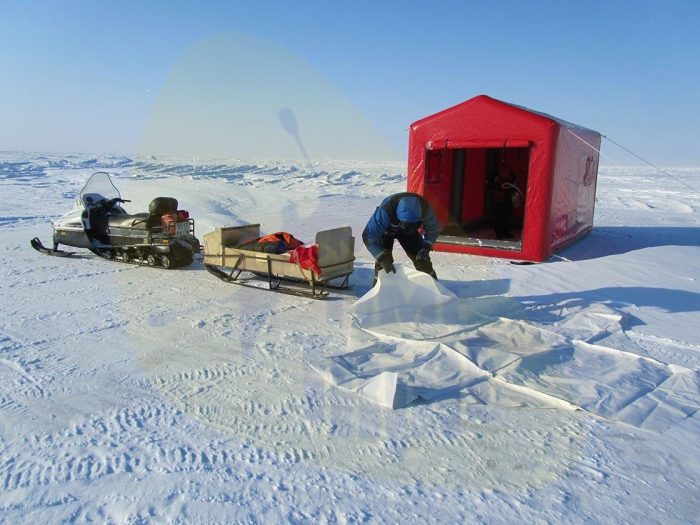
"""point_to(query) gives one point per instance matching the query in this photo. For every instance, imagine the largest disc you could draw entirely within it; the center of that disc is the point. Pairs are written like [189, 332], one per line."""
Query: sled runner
[304, 270]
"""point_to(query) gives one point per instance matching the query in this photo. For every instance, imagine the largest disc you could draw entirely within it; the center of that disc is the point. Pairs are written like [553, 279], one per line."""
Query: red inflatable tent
[505, 181]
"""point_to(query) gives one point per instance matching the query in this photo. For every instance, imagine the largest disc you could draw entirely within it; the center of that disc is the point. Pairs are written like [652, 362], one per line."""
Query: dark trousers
[411, 244]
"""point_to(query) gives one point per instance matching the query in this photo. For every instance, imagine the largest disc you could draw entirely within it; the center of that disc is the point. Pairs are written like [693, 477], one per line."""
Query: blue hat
[408, 209]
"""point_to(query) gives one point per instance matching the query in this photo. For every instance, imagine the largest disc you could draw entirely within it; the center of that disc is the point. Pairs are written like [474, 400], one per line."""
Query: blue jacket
[394, 210]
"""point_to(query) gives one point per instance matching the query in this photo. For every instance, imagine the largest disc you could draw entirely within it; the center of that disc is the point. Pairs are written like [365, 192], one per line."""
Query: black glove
[387, 262]
[424, 253]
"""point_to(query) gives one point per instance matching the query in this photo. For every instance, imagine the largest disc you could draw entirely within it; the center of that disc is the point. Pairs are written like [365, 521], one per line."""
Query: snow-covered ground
[134, 395]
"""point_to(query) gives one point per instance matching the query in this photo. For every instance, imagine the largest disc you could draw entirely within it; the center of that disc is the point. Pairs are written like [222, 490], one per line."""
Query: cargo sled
[308, 270]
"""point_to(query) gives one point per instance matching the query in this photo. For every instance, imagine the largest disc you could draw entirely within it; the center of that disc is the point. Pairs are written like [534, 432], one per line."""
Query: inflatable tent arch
[505, 181]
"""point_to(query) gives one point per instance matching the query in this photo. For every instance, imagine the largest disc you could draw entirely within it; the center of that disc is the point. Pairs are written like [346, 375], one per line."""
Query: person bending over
[409, 219]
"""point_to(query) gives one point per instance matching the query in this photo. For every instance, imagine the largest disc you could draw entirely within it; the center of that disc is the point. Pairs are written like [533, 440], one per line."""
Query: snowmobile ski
[38, 246]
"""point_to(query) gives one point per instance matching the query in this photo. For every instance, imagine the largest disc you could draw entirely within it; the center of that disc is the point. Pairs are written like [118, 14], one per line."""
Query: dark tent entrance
[480, 193]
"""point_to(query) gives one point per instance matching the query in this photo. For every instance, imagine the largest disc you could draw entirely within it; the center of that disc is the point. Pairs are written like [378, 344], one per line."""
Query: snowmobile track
[109, 255]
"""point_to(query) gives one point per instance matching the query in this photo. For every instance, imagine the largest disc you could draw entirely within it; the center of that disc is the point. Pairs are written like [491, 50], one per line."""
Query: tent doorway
[479, 194]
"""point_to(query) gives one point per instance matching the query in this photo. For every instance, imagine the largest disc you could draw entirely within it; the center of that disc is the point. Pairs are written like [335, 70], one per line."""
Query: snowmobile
[162, 237]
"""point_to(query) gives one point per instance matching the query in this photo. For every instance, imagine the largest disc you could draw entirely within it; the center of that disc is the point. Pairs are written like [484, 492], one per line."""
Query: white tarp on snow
[412, 338]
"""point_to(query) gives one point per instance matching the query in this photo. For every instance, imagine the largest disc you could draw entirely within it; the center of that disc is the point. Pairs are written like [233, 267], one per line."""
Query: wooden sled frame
[224, 258]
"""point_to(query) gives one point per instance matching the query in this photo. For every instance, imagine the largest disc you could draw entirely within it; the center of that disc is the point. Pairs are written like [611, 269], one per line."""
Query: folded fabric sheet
[411, 338]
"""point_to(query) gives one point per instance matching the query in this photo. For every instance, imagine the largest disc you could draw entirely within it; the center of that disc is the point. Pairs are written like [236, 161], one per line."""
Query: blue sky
[111, 77]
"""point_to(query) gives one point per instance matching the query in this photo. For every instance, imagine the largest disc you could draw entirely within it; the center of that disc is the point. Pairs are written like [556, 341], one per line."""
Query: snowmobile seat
[146, 221]
[138, 221]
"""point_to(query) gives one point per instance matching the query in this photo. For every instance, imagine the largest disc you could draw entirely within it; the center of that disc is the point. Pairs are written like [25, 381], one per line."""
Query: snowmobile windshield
[99, 187]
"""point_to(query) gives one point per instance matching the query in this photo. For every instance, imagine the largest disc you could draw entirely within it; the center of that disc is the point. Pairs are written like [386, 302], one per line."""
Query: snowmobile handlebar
[111, 202]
